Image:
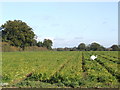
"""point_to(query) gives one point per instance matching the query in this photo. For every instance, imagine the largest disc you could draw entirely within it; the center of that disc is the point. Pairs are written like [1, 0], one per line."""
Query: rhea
[93, 57]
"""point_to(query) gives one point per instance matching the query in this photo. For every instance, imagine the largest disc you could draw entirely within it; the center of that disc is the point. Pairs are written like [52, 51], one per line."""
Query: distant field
[52, 69]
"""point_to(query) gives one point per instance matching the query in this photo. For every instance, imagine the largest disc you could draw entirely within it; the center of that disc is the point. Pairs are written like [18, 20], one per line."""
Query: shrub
[7, 48]
[35, 48]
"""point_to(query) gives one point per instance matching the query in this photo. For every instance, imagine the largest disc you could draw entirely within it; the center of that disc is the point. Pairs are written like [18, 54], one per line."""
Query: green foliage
[91, 47]
[6, 78]
[35, 77]
[95, 47]
[47, 43]
[98, 72]
[81, 47]
[18, 33]
[115, 47]
[39, 44]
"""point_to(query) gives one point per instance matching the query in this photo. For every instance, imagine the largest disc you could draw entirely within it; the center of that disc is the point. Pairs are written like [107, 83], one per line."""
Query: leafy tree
[39, 44]
[34, 43]
[47, 43]
[95, 47]
[18, 33]
[115, 48]
[82, 47]
[1, 33]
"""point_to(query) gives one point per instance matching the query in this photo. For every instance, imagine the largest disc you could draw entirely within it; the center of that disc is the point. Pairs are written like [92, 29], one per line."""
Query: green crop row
[110, 54]
[16, 66]
[97, 75]
[112, 67]
[69, 74]
[65, 69]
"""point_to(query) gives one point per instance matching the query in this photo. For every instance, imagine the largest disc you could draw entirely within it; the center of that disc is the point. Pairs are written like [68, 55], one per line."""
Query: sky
[67, 24]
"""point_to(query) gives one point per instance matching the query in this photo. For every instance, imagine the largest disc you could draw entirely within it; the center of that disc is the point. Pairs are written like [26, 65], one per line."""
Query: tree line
[17, 33]
[91, 47]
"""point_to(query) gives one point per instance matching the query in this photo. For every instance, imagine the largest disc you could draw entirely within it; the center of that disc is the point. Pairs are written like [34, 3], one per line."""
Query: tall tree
[18, 33]
[47, 43]
[115, 47]
[82, 47]
[95, 47]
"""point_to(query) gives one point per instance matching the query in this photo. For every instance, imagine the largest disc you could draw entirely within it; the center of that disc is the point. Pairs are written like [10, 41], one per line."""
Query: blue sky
[67, 23]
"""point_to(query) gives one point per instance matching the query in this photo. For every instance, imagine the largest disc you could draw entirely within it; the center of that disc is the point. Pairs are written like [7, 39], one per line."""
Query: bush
[35, 48]
[7, 48]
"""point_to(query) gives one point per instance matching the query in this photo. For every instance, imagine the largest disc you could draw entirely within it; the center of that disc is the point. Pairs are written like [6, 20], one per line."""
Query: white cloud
[68, 42]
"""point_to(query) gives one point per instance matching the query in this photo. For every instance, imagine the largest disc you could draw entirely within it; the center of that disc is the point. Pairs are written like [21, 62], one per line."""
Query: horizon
[67, 24]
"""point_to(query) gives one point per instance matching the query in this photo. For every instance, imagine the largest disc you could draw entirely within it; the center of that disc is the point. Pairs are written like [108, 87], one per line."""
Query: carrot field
[63, 69]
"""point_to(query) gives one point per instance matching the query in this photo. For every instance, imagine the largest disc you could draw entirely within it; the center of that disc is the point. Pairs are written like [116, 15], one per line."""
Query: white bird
[93, 57]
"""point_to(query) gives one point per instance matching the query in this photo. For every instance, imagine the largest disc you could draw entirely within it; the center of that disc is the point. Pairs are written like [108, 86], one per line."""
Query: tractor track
[61, 67]
[83, 63]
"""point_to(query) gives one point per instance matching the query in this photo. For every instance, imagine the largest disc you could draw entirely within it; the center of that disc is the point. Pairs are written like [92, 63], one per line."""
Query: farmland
[52, 69]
